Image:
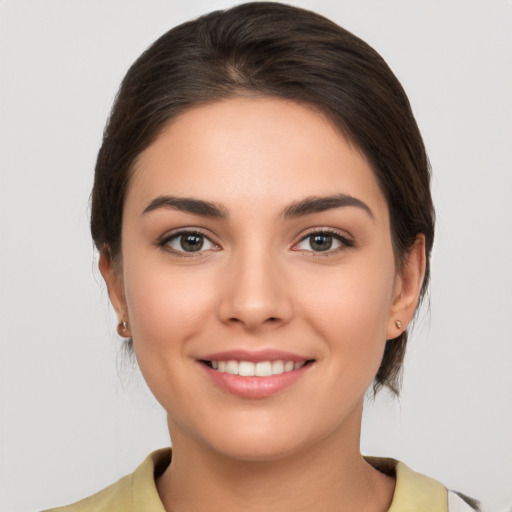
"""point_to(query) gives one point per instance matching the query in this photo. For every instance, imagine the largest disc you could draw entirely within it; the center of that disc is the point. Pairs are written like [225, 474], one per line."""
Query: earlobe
[114, 281]
[407, 289]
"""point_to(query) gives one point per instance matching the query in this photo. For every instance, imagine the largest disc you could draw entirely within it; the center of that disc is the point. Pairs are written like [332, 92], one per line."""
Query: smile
[255, 374]
[255, 369]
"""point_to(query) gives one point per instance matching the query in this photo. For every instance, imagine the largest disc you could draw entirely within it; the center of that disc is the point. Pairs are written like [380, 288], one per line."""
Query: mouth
[256, 369]
[255, 374]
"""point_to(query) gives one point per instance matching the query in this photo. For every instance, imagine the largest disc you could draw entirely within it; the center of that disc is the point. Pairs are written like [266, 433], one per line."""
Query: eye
[323, 241]
[188, 242]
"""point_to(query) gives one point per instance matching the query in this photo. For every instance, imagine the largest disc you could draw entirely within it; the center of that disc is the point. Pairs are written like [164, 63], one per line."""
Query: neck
[330, 475]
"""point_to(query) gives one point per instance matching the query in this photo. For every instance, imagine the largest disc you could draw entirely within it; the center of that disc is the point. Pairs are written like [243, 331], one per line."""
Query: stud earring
[122, 327]
[398, 324]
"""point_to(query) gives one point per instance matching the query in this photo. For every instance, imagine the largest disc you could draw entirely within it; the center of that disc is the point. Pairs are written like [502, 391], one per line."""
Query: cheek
[167, 311]
[358, 297]
[354, 324]
[350, 310]
[166, 305]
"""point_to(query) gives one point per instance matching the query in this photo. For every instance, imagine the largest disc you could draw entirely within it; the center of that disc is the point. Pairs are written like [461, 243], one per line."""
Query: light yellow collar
[413, 491]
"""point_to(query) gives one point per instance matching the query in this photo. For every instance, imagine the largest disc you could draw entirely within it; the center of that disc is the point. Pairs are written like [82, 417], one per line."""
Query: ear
[407, 289]
[114, 280]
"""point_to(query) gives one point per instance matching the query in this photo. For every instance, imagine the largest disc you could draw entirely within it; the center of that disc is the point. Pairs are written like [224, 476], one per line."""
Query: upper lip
[254, 356]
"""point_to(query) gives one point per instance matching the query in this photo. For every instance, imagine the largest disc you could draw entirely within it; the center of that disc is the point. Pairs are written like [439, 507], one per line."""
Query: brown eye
[323, 241]
[188, 242]
[320, 242]
[191, 242]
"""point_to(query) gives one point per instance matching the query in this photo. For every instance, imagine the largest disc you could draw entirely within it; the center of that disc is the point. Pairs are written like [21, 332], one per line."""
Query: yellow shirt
[137, 492]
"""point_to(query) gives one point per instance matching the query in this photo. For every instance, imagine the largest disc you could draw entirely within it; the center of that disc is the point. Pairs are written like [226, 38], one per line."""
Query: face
[258, 278]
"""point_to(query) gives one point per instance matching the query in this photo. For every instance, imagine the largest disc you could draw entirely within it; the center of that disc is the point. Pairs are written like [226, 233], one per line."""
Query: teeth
[277, 367]
[246, 369]
[261, 369]
[232, 367]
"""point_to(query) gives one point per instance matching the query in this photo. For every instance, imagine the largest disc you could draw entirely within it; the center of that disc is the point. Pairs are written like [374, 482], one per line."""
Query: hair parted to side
[275, 50]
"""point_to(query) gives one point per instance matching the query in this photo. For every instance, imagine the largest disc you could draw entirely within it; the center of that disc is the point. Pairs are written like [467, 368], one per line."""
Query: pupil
[191, 243]
[321, 242]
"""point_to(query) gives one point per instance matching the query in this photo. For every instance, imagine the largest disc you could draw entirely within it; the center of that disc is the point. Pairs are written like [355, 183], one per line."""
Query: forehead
[248, 151]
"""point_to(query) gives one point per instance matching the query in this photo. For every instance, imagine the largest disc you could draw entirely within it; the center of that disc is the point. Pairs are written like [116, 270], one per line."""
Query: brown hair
[276, 50]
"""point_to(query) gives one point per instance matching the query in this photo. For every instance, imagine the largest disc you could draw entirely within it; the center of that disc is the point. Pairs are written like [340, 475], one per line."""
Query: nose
[254, 293]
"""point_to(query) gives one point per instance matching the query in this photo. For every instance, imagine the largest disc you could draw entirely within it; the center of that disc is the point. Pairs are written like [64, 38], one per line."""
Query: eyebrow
[315, 204]
[189, 205]
[306, 206]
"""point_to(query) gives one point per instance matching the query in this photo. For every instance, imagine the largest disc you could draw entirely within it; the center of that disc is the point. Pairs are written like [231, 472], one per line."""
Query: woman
[263, 215]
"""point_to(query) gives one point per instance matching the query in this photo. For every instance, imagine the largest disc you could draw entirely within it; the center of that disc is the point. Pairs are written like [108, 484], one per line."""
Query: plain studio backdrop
[75, 417]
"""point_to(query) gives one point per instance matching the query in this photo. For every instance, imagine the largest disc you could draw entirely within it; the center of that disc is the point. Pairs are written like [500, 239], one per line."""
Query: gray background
[74, 416]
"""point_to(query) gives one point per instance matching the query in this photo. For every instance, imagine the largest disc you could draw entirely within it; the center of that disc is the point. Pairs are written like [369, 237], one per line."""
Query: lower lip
[255, 387]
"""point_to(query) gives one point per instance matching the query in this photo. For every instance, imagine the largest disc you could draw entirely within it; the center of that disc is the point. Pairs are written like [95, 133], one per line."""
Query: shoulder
[113, 498]
[418, 492]
[130, 492]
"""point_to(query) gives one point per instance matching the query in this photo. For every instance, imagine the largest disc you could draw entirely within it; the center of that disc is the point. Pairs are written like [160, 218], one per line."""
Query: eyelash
[163, 243]
[345, 242]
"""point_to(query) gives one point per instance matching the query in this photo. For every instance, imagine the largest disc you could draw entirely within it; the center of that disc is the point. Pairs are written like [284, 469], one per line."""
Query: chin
[265, 439]
[263, 449]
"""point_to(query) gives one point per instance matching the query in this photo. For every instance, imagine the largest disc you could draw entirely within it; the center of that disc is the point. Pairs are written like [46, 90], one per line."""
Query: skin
[258, 284]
